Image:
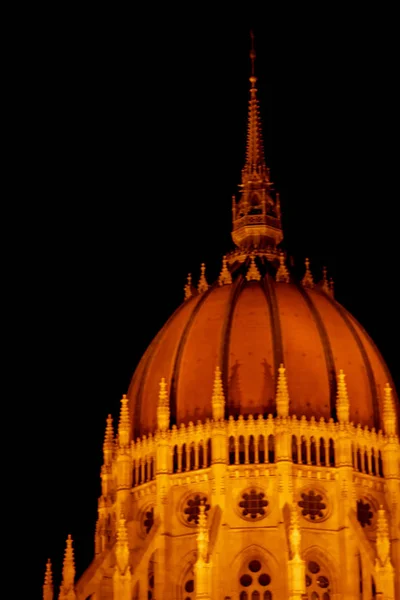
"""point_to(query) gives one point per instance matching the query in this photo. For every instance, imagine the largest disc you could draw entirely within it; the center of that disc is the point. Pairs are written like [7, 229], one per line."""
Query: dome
[249, 328]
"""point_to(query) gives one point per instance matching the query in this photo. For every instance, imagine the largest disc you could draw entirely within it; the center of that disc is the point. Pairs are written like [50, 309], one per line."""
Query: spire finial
[253, 273]
[48, 589]
[202, 534]
[282, 273]
[342, 399]
[389, 412]
[124, 425]
[225, 277]
[325, 284]
[122, 546]
[203, 285]
[282, 393]
[67, 591]
[307, 280]
[218, 398]
[188, 287]
[253, 79]
[163, 412]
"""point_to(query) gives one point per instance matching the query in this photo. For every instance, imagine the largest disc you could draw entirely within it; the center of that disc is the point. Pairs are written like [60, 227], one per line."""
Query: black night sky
[134, 138]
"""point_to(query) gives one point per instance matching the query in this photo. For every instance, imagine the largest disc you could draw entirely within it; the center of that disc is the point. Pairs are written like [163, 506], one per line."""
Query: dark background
[132, 130]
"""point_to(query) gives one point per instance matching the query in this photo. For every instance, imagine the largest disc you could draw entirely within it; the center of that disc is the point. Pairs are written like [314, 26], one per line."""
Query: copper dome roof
[249, 328]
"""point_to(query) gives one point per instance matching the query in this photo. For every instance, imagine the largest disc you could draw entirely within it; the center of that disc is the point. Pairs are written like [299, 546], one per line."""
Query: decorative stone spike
[389, 412]
[124, 425]
[188, 287]
[108, 441]
[325, 283]
[253, 273]
[48, 589]
[202, 535]
[225, 277]
[282, 394]
[307, 280]
[122, 546]
[382, 538]
[163, 413]
[294, 532]
[282, 273]
[342, 399]
[203, 285]
[67, 591]
[218, 399]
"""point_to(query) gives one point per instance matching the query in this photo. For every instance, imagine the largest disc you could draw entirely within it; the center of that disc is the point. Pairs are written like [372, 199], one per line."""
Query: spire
[202, 535]
[218, 399]
[225, 276]
[163, 407]
[124, 425]
[253, 273]
[382, 537]
[342, 399]
[188, 287]
[256, 217]
[325, 284]
[282, 273]
[389, 412]
[307, 280]
[282, 394]
[108, 445]
[67, 591]
[122, 546]
[203, 285]
[48, 589]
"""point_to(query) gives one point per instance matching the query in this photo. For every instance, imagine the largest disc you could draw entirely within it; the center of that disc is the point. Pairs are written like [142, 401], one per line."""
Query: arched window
[184, 457]
[241, 450]
[271, 449]
[295, 455]
[373, 464]
[318, 582]
[201, 455]
[322, 455]
[209, 452]
[303, 450]
[134, 474]
[255, 581]
[251, 450]
[192, 457]
[313, 452]
[359, 464]
[366, 467]
[380, 464]
[150, 578]
[189, 588]
[261, 450]
[175, 460]
[331, 453]
[231, 450]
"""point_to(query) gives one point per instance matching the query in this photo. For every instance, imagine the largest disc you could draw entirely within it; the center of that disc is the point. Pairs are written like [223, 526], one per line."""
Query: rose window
[313, 505]
[317, 582]
[254, 583]
[192, 508]
[253, 505]
[364, 513]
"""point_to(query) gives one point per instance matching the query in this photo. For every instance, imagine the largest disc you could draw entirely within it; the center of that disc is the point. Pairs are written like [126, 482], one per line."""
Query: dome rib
[277, 340]
[179, 353]
[237, 287]
[330, 363]
[147, 358]
[370, 374]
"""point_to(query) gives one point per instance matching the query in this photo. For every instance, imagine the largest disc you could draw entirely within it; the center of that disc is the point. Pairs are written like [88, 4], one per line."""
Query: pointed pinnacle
[307, 280]
[188, 287]
[203, 285]
[282, 273]
[225, 277]
[163, 394]
[253, 274]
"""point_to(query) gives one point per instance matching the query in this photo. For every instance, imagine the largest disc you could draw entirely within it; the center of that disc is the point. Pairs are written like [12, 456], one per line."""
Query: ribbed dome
[249, 329]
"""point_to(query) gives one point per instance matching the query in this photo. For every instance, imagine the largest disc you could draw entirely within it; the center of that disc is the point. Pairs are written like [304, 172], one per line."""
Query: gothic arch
[188, 561]
[257, 552]
[322, 557]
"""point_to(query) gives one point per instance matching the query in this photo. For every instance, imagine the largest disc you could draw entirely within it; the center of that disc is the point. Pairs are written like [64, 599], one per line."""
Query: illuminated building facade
[256, 455]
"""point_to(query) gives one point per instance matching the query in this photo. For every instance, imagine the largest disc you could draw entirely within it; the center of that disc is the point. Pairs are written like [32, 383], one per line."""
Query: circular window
[253, 505]
[313, 567]
[264, 579]
[189, 586]
[246, 580]
[365, 512]
[191, 508]
[255, 566]
[313, 505]
[323, 581]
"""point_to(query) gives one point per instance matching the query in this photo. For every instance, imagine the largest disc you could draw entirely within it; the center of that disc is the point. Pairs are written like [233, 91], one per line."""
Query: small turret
[163, 413]
[48, 589]
[342, 399]
[67, 588]
[325, 283]
[225, 277]
[253, 274]
[282, 394]
[218, 399]
[108, 445]
[203, 285]
[188, 287]
[124, 425]
[307, 280]
[389, 412]
[282, 273]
